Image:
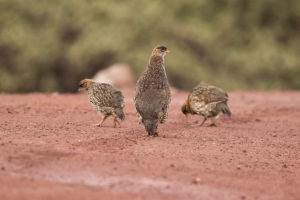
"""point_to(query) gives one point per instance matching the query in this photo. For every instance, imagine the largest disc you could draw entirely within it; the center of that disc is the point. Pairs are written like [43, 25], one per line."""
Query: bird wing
[118, 99]
[203, 95]
[107, 96]
[209, 94]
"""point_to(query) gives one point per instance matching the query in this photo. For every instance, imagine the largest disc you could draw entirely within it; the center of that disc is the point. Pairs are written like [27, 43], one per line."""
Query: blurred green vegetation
[49, 45]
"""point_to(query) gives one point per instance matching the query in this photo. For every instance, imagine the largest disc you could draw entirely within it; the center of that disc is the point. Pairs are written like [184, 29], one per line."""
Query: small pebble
[284, 166]
[243, 197]
[197, 180]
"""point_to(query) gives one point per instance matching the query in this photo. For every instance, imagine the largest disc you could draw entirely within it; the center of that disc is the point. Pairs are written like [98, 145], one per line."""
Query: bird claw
[153, 134]
[115, 125]
[98, 125]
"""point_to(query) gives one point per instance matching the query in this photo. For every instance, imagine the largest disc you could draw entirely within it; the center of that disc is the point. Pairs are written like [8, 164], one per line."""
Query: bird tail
[120, 113]
[121, 116]
[151, 126]
[225, 109]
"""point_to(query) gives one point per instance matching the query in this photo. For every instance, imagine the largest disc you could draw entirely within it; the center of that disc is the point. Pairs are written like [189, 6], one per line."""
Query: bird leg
[213, 122]
[102, 121]
[116, 122]
[203, 121]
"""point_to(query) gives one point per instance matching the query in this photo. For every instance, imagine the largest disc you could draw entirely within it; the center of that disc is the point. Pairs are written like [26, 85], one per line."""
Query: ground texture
[50, 150]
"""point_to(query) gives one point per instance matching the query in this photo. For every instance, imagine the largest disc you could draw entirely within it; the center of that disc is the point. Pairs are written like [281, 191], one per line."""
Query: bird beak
[80, 89]
[167, 51]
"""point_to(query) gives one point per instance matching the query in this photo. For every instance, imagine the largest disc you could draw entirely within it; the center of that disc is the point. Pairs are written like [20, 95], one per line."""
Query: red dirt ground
[50, 150]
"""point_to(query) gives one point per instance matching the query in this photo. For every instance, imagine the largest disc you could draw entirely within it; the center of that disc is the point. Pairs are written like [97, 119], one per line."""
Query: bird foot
[116, 122]
[153, 134]
[98, 125]
[115, 125]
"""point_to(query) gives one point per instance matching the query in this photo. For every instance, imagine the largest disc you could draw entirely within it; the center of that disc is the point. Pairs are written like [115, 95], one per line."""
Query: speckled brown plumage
[153, 93]
[105, 99]
[208, 101]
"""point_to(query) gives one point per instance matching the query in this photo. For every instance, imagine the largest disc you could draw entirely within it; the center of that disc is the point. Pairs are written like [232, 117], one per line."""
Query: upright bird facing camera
[153, 93]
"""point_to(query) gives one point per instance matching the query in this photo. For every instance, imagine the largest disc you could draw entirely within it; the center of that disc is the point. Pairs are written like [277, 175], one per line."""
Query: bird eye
[81, 85]
[163, 49]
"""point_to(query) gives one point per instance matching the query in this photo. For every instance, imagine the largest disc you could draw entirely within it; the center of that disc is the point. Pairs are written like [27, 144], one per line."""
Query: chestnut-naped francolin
[106, 99]
[153, 93]
[208, 101]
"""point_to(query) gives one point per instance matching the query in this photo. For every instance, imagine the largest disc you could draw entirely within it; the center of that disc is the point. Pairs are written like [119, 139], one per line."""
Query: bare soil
[49, 149]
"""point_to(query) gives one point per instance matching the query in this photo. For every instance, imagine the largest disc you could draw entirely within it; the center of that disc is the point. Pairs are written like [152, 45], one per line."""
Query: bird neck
[156, 61]
[187, 107]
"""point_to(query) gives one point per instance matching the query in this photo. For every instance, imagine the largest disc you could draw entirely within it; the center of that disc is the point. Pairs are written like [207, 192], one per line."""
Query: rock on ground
[118, 75]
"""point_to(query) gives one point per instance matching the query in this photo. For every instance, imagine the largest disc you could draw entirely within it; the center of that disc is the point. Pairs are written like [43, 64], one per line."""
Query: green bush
[238, 44]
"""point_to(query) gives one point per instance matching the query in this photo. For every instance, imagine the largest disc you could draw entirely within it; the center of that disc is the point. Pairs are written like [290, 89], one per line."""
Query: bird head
[185, 108]
[85, 84]
[160, 50]
[203, 83]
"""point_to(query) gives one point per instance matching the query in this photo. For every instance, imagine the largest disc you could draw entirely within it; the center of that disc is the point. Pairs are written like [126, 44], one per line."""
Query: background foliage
[49, 45]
